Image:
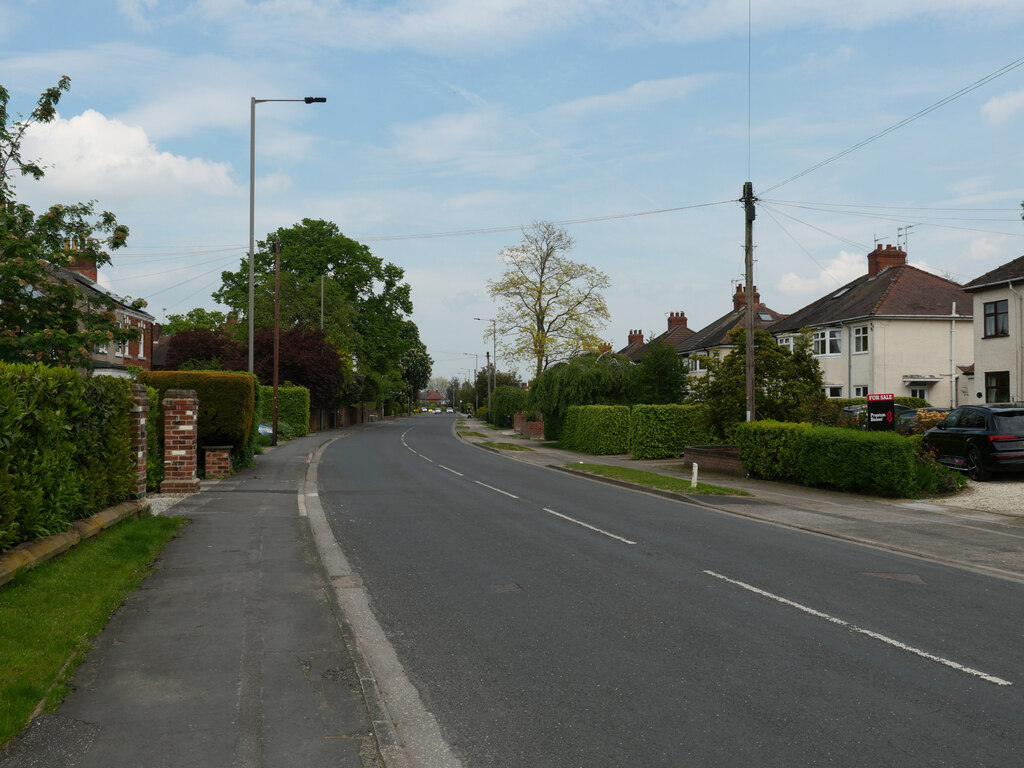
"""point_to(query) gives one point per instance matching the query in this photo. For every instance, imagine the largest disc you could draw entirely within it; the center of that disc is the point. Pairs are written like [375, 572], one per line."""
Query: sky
[451, 124]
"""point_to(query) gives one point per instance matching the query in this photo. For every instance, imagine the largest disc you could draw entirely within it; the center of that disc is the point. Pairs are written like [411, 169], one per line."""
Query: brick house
[895, 329]
[114, 359]
[998, 304]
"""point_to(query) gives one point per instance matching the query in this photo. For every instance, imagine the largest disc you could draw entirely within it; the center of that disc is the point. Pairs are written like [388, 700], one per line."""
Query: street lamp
[494, 371]
[252, 206]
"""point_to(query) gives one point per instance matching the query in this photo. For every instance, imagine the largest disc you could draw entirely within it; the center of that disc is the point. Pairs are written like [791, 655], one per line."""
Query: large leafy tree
[365, 300]
[788, 385]
[199, 317]
[551, 305]
[44, 316]
[587, 379]
[305, 358]
[206, 348]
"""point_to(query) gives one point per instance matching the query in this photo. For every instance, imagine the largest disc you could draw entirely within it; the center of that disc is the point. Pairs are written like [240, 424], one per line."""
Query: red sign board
[878, 398]
[881, 412]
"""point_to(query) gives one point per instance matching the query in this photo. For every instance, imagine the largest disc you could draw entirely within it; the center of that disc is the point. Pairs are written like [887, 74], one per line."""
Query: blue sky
[469, 115]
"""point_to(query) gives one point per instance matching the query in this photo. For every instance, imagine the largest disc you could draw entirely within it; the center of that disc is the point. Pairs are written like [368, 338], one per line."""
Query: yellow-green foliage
[663, 431]
[292, 408]
[925, 420]
[65, 448]
[597, 429]
[226, 403]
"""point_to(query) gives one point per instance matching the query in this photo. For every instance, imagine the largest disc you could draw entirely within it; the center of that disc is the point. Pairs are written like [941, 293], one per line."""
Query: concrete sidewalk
[986, 541]
[228, 655]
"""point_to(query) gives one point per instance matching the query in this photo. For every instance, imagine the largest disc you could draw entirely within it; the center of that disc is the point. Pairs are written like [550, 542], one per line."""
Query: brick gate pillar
[140, 412]
[181, 415]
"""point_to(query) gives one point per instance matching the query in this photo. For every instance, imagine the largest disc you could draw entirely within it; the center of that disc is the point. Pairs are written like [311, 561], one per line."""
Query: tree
[210, 348]
[787, 384]
[588, 379]
[660, 377]
[500, 379]
[366, 301]
[43, 315]
[305, 358]
[195, 318]
[552, 306]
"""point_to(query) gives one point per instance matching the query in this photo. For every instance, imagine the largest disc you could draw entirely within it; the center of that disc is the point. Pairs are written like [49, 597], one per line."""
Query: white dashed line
[587, 525]
[868, 632]
[491, 487]
[449, 469]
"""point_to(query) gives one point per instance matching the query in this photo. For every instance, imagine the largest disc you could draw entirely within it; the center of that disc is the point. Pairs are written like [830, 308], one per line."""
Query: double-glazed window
[828, 341]
[997, 386]
[860, 390]
[833, 392]
[860, 339]
[997, 318]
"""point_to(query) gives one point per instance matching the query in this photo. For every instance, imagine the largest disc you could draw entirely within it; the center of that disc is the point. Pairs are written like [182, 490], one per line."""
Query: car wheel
[975, 470]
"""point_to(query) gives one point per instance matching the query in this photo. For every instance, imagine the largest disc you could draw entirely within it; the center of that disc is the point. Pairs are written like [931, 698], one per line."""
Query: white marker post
[693, 479]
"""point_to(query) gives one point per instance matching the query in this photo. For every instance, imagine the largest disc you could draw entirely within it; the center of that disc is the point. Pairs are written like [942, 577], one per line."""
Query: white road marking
[449, 469]
[491, 487]
[888, 640]
[587, 525]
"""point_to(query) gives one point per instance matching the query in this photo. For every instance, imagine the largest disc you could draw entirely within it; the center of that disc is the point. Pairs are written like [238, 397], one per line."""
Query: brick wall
[181, 412]
[218, 460]
[532, 429]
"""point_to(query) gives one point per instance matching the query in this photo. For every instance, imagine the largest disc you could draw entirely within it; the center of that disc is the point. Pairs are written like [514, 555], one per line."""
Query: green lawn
[49, 615]
[507, 446]
[655, 480]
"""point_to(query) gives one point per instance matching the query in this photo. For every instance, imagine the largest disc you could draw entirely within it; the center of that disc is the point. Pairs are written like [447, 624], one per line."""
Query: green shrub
[597, 429]
[65, 449]
[154, 441]
[882, 463]
[292, 409]
[226, 406]
[663, 431]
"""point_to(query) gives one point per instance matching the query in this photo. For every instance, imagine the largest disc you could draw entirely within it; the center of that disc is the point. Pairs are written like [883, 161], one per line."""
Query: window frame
[997, 383]
[861, 345]
[996, 316]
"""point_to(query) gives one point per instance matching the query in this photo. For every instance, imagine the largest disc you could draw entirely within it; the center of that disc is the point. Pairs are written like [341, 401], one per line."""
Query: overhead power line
[952, 97]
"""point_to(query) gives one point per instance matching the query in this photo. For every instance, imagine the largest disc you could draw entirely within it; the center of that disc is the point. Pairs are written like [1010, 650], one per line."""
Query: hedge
[663, 431]
[227, 404]
[65, 449]
[292, 408]
[882, 463]
[597, 429]
[506, 402]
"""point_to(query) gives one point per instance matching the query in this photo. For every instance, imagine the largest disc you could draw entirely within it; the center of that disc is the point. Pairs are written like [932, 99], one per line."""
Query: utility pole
[750, 214]
[277, 322]
[488, 385]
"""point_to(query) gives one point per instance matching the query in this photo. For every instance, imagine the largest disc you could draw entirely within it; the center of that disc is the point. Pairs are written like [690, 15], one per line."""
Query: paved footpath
[228, 655]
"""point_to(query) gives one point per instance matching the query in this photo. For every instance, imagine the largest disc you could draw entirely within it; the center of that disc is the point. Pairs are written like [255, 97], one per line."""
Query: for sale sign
[882, 412]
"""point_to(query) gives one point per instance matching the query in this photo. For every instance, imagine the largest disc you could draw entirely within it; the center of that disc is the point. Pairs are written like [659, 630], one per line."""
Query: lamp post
[252, 206]
[494, 371]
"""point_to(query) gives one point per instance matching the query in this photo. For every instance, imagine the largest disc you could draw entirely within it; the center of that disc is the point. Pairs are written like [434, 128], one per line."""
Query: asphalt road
[547, 620]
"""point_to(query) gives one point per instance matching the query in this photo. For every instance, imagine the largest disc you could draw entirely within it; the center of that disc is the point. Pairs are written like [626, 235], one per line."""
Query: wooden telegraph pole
[748, 206]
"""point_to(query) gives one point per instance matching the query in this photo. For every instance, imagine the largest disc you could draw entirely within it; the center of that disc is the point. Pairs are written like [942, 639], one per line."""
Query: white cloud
[92, 156]
[1001, 109]
[839, 271]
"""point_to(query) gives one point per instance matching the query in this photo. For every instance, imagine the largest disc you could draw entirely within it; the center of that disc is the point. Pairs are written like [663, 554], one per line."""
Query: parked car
[980, 439]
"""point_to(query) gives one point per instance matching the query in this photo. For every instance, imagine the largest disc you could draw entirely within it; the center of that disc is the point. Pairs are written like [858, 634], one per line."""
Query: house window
[920, 392]
[828, 342]
[787, 342]
[119, 352]
[696, 363]
[860, 339]
[997, 319]
[833, 392]
[860, 390]
[997, 384]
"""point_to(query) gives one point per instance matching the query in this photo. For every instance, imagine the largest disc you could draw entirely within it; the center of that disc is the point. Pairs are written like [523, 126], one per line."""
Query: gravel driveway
[1001, 494]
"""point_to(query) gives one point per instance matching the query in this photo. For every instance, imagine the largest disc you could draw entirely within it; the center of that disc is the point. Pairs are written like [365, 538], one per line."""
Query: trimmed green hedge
[506, 402]
[154, 441]
[663, 431]
[292, 408]
[65, 449]
[597, 429]
[227, 404]
[882, 463]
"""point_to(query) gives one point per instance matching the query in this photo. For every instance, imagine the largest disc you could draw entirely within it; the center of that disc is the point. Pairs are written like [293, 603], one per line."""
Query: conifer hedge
[663, 431]
[597, 429]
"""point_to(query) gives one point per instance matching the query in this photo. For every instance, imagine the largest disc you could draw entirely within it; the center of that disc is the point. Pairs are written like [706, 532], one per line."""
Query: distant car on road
[450, 410]
[980, 439]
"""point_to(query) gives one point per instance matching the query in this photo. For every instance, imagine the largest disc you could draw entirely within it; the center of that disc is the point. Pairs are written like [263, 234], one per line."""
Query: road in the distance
[552, 621]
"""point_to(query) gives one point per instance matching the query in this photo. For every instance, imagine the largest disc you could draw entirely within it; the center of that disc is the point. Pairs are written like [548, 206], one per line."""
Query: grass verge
[471, 434]
[507, 446]
[49, 614]
[654, 480]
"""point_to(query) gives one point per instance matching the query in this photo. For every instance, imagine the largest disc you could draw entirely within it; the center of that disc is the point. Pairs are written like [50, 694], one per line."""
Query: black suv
[980, 439]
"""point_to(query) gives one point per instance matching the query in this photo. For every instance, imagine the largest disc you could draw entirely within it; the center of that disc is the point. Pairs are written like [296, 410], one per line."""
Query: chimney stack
[739, 299]
[676, 319]
[883, 258]
[636, 336]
